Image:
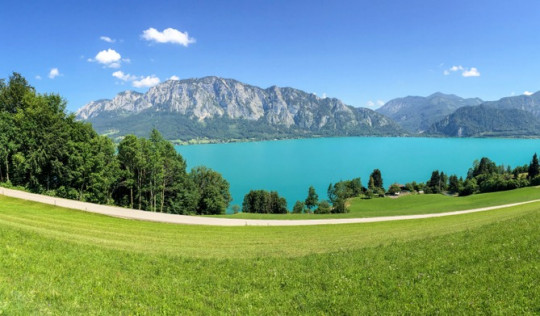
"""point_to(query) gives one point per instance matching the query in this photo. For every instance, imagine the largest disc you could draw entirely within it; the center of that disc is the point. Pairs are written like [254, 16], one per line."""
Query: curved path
[212, 221]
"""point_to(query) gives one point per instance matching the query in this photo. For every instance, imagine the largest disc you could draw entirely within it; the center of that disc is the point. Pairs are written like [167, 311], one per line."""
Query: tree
[236, 208]
[298, 207]
[434, 183]
[394, 189]
[469, 187]
[339, 206]
[485, 166]
[261, 201]
[371, 183]
[214, 196]
[128, 155]
[12, 95]
[323, 208]
[455, 185]
[377, 179]
[534, 169]
[312, 199]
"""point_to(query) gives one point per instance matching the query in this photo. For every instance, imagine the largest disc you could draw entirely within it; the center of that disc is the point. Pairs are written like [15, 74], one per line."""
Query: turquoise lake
[291, 166]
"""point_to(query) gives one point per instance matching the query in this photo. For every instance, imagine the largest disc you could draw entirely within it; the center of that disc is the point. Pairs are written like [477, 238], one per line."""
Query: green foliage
[469, 187]
[534, 168]
[344, 189]
[437, 183]
[261, 201]
[298, 207]
[312, 199]
[47, 151]
[339, 192]
[486, 121]
[340, 206]
[323, 208]
[153, 177]
[455, 185]
[375, 180]
[214, 196]
[483, 167]
[414, 186]
[394, 189]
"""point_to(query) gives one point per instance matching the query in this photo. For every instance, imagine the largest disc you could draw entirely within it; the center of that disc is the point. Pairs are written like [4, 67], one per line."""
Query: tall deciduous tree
[312, 199]
[214, 196]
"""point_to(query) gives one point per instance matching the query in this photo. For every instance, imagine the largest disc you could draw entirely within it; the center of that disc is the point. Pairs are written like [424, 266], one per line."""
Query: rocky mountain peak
[215, 98]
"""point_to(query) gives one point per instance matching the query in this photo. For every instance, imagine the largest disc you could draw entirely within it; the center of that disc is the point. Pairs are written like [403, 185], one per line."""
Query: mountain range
[417, 114]
[225, 109]
[221, 109]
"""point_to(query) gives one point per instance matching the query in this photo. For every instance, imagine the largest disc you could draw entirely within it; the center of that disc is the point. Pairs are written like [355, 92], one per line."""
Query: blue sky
[362, 52]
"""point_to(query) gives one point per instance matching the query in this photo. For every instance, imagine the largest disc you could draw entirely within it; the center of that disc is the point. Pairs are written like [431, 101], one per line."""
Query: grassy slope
[412, 204]
[54, 260]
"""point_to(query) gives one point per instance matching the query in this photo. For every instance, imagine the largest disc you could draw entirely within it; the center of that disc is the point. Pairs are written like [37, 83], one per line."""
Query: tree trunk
[163, 195]
[139, 188]
[7, 170]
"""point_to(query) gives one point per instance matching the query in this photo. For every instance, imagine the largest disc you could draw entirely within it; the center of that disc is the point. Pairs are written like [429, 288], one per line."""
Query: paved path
[199, 220]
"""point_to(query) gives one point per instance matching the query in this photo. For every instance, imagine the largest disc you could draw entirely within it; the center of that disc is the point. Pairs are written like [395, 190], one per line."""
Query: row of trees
[484, 176]
[261, 201]
[47, 151]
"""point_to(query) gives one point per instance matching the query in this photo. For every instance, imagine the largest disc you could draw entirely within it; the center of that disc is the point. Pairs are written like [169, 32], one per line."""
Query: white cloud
[473, 72]
[38, 77]
[168, 35]
[465, 72]
[323, 95]
[138, 81]
[107, 39]
[527, 93]
[374, 104]
[54, 73]
[146, 82]
[174, 78]
[109, 58]
[124, 77]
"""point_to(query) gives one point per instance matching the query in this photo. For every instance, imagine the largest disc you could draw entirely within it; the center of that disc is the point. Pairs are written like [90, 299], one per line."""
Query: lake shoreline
[291, 166]
[208, 141]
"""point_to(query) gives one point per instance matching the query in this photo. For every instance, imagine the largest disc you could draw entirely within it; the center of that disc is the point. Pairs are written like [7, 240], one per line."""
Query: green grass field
[411, 204]
[59, 261]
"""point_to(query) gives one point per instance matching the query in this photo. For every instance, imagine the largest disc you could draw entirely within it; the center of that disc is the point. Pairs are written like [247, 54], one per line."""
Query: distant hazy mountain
[220, 108]
[529, 103]
[417, 114]
[485, 121]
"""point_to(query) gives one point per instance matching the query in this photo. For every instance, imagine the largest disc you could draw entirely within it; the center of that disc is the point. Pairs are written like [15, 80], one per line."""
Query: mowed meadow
[60, 261]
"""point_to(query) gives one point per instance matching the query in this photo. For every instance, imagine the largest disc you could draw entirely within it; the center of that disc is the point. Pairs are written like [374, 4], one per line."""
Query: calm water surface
[291, 166]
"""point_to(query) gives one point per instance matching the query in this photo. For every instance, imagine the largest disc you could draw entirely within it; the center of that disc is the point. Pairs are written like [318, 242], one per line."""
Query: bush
[394, 189]
[298, 207]
[339, 207]
[469, 187]
[323, 208]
